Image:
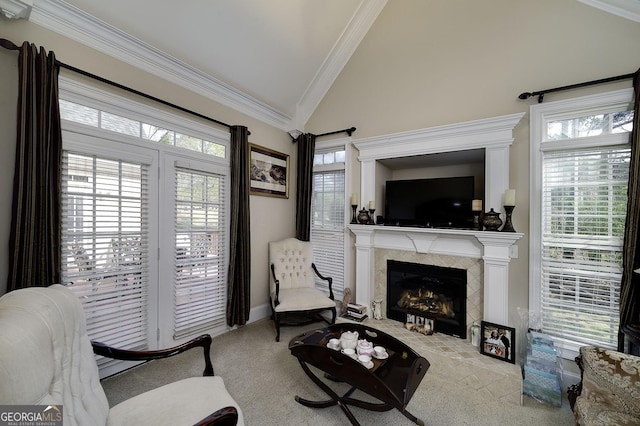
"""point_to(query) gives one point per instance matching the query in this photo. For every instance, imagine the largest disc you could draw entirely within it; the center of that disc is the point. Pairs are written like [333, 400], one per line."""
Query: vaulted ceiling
[271, 59]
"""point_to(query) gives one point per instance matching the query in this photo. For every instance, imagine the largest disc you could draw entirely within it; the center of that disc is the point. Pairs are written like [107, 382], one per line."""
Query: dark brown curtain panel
[630, 288]
[34, 242]
[238, 304]
[306, 149]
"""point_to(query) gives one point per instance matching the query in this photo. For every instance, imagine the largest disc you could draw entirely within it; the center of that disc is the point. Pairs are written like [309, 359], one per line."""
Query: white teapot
[365, 347]
[349, 340]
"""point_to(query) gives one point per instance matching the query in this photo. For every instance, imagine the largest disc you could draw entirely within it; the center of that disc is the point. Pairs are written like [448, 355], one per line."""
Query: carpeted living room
[320, 212]
[249, 355]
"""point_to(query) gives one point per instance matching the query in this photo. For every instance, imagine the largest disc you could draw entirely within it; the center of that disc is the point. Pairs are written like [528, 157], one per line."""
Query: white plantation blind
[105, 248]
[200, 273]
[328, 220]
[584, 199]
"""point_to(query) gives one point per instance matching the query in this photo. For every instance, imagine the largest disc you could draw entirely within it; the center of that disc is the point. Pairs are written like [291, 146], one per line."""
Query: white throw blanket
[46, 356]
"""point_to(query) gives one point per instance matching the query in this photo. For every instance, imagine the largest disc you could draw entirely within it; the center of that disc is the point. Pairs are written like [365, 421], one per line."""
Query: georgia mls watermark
[30, 415]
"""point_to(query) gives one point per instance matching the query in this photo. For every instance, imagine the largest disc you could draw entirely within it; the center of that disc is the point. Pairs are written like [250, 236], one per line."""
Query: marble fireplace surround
[484, 255]
[489, 251]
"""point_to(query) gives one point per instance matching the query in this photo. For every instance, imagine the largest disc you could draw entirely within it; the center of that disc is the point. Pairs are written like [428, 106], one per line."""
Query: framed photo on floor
[423, 325]
[498, 341]
[268, 172]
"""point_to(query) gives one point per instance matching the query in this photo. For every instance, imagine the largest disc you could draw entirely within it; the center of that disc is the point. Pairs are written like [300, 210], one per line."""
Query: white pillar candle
[476, 205]
[354, 199]
[372, 205]
[510, 197]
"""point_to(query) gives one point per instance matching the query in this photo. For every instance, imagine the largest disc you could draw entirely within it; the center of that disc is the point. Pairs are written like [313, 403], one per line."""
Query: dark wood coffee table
[392, 381]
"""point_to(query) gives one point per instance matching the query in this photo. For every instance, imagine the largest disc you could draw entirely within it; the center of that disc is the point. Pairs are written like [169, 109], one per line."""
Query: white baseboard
[259, 312]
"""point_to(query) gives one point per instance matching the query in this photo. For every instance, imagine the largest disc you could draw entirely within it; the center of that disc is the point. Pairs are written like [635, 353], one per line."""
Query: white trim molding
[364, 17]
[73, 23]
[494, 248]
[494, 135]
[629, 9]
[16, 9]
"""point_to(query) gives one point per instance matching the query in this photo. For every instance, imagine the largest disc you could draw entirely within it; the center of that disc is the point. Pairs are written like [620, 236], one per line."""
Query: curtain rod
[540, 93]
[348, 131]
[295, 133]
[12, 46]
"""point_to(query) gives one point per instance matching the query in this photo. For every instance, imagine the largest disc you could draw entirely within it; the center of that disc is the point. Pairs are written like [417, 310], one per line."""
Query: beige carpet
[263, 377]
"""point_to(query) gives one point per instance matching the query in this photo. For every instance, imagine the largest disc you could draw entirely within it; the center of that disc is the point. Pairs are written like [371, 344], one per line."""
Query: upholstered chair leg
[277, 321]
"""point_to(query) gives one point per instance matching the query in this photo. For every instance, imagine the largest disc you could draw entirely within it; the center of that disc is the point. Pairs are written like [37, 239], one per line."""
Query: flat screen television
[437, 202]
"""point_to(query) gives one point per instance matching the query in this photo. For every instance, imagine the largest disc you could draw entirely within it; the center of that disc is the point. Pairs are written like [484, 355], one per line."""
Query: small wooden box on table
[393, 380]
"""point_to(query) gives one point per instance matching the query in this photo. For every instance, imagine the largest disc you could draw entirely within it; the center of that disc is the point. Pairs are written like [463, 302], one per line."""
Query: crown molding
[71, 22]
[493, 132]
[358, 26]
[629, 9]
[16, 9]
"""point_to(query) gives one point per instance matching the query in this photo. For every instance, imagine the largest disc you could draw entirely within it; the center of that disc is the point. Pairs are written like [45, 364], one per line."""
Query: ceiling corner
[358, 26]
[71, 22]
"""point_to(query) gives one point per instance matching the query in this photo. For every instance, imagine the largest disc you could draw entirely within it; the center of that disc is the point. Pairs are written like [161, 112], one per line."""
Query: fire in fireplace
[435, 292]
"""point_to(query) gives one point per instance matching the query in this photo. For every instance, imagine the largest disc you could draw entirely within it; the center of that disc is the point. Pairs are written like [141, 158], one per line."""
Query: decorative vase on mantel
[363, 217]
[491, 220]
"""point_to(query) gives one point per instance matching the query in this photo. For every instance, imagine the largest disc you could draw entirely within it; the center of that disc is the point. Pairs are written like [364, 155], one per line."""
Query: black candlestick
[508, 226]
[354, 219]
[476, 220]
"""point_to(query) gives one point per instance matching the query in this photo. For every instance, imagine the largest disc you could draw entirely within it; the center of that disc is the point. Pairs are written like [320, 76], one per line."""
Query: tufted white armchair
[46, 359]
[295, 300]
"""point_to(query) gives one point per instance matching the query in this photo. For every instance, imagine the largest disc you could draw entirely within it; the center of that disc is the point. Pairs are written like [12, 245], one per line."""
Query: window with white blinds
[583, 215]
[328, 216]
[105, 248]
[580, 169]
[144, 229]
[200, 275]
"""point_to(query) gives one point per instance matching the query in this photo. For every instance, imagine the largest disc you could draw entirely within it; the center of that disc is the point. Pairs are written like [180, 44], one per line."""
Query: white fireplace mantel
[494, 248]
[495, 136]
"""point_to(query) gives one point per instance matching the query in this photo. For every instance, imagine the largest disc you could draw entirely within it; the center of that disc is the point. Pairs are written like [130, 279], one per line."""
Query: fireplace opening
[435, 292]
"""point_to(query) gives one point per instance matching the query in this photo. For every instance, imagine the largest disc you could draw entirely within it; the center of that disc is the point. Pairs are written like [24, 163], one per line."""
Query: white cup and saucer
[334, 344]
[365, 360]
[350, 352]
[380, 352]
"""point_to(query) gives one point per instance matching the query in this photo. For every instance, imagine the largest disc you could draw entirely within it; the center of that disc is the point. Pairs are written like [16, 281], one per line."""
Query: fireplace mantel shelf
[494, 248]
[449, 241]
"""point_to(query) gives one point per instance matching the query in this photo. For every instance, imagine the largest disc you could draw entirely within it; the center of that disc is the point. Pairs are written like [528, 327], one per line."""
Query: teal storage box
[541, 378]
[541, 364]
[550, 396]
[543, 350]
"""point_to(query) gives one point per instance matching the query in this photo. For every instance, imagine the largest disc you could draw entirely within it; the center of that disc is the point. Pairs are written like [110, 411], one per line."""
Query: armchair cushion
[302, 299]
[610, 388]
[183, 402]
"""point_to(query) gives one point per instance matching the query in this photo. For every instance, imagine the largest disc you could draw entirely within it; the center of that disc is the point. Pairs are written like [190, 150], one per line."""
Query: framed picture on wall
[268, 172]
[498, 341]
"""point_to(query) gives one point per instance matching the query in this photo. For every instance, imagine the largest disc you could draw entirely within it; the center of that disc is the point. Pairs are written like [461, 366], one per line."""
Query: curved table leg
[335, 399]
[344, 400]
